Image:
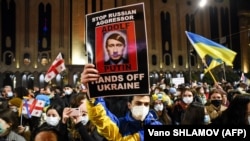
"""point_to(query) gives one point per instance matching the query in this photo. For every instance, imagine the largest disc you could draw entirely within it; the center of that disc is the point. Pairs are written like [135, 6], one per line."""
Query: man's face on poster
[115, 49]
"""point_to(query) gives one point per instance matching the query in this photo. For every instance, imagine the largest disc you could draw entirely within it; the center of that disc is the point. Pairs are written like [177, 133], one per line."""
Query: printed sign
[117, 44]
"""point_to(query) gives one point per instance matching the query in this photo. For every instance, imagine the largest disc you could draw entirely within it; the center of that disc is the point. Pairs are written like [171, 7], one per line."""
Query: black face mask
[216, 103]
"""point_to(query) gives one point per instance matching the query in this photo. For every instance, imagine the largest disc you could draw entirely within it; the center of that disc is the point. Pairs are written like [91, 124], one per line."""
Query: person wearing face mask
[237, 113]
[180, 105]
[80, 128]
[215, 107]
[7, 94]
[159, 103]
[201, 94]
[23, 130]
[129, 127]
[53, 120]
[68, 94]
[15, 103]
[8, 126]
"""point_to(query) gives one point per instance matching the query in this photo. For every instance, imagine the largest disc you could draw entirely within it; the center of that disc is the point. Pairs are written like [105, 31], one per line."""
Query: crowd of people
[70, 115]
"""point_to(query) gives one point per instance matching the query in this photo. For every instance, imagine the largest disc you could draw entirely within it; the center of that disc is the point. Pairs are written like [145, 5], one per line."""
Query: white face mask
[14, 109]
[139, 112]
[159, 107]
[187, 100]
[85, 119]
[53, 121]
[68, 92]
[9, 94]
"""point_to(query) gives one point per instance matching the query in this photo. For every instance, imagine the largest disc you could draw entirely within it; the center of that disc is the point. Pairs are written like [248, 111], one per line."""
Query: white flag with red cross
[57, 67]
[32, 107]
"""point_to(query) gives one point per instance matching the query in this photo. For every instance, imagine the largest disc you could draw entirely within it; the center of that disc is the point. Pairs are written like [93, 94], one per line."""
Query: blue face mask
[2, 129]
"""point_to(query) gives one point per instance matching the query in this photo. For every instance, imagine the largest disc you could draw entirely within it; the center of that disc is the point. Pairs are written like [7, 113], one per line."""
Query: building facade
[33, 32]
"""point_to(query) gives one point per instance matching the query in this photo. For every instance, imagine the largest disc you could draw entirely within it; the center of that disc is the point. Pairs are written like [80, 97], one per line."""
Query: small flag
[57, 67]
[33, 107]
[211, 64]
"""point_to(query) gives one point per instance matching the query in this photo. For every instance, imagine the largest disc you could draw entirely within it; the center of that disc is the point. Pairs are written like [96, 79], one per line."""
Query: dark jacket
[88, 135]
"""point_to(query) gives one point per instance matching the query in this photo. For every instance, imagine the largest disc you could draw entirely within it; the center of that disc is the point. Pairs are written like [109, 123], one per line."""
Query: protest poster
[116, 43]
[178, 81]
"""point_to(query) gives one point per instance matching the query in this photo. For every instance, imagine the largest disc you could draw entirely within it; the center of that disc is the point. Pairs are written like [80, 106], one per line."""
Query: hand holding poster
[117, 45]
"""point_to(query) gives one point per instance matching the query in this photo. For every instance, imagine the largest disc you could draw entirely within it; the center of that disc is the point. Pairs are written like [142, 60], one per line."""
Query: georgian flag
[57, 67]
[32, 107]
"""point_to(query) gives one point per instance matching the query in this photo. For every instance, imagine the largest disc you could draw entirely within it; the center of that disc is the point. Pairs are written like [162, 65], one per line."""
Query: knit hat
[16, 101]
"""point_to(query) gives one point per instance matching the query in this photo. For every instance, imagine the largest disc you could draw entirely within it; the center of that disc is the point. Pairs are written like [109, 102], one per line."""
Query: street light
[201, 4]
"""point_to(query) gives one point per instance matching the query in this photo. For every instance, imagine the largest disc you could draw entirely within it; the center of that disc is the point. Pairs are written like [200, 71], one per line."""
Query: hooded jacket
[112, 128]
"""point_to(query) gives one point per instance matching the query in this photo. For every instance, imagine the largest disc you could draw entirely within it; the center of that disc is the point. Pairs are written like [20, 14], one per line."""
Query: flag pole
[204, 62]
[224, 71]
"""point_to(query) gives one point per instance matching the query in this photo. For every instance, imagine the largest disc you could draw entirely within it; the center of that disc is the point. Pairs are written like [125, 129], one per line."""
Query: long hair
[236, 113]
[56, 107]
[10, 117]
[194, 114]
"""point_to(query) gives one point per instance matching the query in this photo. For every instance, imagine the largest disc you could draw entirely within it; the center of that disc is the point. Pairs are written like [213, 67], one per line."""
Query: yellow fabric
[45, 108]
[105, 126]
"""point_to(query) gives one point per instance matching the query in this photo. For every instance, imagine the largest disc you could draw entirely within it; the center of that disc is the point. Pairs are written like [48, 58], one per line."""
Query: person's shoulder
[155, 122]
[153, 112]
[223, 107]
[14, 135]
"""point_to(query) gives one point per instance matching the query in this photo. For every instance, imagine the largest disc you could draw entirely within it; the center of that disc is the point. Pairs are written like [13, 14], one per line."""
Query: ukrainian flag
[205, 47]
[214, 63]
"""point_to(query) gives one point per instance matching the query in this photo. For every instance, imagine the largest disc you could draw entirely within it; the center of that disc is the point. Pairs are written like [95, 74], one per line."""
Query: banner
[117, 44]
[178, 81]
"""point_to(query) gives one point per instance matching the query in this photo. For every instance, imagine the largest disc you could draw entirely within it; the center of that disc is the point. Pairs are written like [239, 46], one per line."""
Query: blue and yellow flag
[204, 46]
[212, 64]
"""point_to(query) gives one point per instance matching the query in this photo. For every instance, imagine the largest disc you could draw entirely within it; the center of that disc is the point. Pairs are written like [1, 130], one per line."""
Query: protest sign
[178, 81]
[116, 43]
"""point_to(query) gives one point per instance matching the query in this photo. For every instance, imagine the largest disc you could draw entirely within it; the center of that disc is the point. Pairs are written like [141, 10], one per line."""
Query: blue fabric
[128, 125]
[44, 98]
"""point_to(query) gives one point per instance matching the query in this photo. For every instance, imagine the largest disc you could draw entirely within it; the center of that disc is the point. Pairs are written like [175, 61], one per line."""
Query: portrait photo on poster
[115, 48]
